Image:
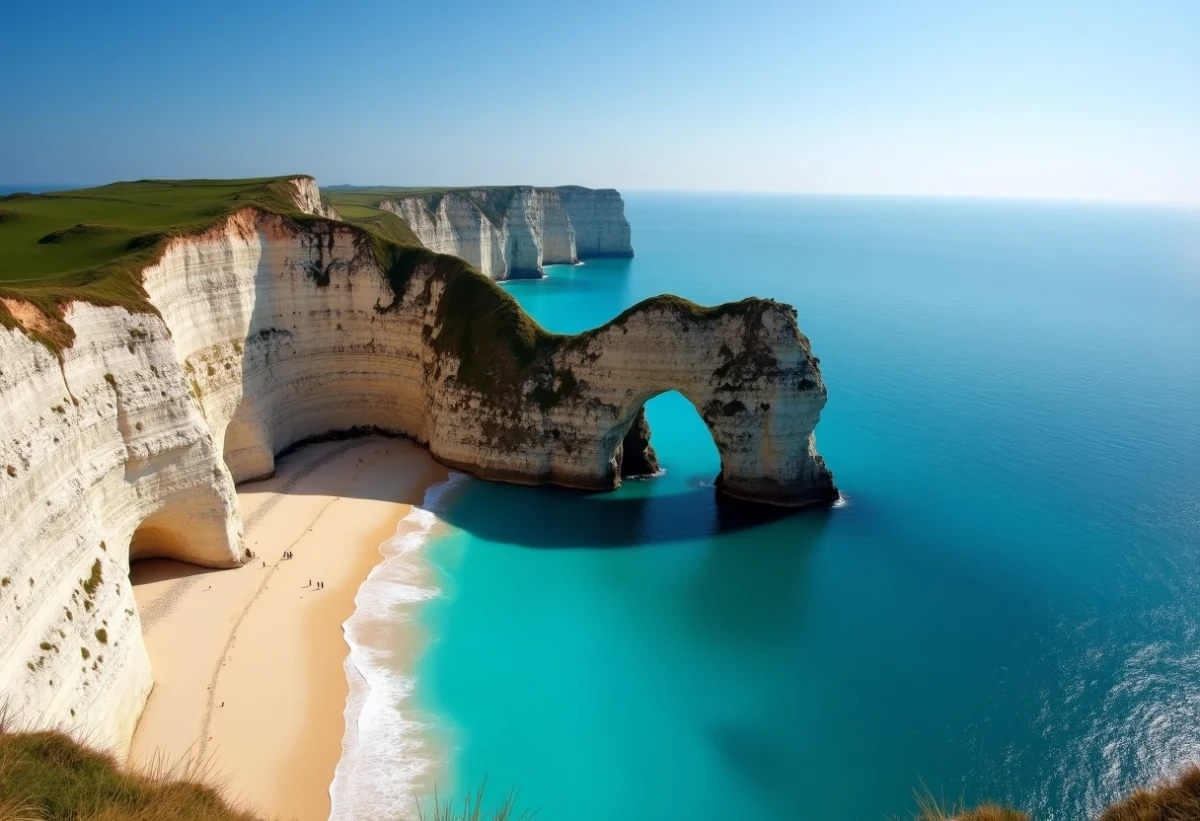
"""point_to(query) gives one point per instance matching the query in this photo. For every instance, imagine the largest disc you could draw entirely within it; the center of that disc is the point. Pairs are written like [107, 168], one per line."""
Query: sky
[1011, 98]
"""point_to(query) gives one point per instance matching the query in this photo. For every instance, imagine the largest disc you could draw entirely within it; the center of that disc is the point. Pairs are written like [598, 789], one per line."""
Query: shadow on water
[561, 518]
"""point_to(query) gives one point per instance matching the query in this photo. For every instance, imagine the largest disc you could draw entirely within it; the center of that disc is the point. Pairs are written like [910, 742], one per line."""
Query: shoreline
[380, 670]
[249, 662]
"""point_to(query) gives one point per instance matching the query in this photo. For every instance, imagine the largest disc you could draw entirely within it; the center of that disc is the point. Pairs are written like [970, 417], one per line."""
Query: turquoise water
[1007, 606]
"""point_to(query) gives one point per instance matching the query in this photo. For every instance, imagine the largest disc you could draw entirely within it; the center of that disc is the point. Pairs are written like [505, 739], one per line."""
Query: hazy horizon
[1082, 101]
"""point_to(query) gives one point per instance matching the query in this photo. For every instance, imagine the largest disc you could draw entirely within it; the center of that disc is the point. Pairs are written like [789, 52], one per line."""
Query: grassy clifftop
[91, 244]
[493, 201]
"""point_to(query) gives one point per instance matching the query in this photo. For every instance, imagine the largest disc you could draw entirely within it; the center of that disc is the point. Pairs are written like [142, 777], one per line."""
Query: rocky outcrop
[511, 233]
[637, 456]
[105, 456]
[598, 216]
[270, 330]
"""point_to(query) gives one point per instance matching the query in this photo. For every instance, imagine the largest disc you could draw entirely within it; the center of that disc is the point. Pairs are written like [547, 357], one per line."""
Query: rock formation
[510, 233]
[269, 329]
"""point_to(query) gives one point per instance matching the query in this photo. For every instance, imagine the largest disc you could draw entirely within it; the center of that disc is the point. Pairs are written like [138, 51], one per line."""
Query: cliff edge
[138, 386]
[508, 232]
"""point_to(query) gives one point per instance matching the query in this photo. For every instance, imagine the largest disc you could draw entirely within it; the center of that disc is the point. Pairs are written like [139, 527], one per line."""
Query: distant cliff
[512, 232]
[189, 365]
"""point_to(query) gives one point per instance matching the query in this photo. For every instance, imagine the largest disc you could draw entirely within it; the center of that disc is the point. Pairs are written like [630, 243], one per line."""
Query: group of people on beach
[287, 554]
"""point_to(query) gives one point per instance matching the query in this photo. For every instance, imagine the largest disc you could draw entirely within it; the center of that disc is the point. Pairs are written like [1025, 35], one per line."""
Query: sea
[1005, 606]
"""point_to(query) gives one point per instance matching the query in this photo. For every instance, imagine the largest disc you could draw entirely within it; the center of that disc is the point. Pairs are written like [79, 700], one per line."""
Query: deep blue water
[1007, 606]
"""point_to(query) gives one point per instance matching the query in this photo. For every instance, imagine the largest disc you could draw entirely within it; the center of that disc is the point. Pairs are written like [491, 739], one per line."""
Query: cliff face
[511, 233]
[744, 366]
[271, 330]
[105, 457]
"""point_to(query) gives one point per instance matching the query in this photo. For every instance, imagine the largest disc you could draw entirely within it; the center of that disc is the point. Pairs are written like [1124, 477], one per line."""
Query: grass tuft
[1174, 800]
[91, 245]
[472, 808]
[931, 808]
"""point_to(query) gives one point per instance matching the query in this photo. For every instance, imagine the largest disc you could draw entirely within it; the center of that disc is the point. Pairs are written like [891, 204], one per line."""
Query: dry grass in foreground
[1174, 800]
[929, 808]
[472, 809]
[48, 776]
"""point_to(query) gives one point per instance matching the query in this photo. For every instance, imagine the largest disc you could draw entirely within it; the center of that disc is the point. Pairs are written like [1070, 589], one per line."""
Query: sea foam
[386, 758]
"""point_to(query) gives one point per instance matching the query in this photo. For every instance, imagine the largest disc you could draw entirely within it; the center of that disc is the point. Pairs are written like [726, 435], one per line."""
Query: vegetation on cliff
[493, 201]
[91, 244]
[49, 776]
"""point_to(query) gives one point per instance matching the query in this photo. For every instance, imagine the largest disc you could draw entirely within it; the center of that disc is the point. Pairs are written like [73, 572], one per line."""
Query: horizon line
[7, 188]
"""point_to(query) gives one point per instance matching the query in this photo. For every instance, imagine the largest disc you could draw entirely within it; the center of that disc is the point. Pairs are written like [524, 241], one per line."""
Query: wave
[386, 757]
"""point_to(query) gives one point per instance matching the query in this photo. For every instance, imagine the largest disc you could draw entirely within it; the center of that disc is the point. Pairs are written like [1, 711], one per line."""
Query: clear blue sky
[1002, 98]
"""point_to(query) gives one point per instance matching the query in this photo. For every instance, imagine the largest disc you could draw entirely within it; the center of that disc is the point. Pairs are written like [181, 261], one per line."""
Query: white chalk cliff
[271, 330]
[511, 233]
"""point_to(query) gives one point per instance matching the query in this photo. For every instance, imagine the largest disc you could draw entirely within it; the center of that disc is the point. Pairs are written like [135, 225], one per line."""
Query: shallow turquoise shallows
[1006, 607]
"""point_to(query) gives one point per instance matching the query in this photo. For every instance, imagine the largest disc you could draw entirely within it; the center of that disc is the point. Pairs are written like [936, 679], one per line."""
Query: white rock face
[511, 233]
[598, 216]
[104, 456]
[745, 366]
[272, 333]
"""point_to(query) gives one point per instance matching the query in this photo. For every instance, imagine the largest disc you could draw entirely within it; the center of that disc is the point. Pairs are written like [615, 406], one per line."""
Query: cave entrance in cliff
[667, 429]
[157, 537]
[159, 551]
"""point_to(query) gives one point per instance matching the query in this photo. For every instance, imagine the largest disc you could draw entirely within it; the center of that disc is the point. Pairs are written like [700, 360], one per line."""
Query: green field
[91, 244]
[493, 201]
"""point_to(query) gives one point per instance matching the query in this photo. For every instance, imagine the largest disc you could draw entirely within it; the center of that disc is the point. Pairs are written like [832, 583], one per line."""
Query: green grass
[91, 244]
[492, 200]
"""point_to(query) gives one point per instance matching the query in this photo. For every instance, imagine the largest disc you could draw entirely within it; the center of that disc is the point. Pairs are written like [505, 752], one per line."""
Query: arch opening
[683, 434]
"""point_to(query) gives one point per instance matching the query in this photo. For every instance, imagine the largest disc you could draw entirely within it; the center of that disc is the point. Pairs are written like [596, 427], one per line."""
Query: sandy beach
[247, 663]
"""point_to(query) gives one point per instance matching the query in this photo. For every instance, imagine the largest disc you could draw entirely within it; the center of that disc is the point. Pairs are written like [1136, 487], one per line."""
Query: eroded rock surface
[272, 330]
[511, 233]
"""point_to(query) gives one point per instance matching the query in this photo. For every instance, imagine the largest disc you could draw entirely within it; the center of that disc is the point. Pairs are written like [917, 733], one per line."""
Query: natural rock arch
[745, 366]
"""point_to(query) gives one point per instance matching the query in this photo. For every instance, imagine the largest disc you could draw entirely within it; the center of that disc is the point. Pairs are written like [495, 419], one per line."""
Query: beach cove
[248, 663]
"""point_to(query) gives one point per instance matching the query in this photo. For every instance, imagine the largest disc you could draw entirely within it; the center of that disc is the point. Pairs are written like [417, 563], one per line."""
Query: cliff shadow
[151, 569]
[558, 518]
